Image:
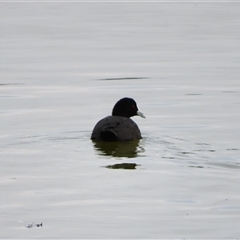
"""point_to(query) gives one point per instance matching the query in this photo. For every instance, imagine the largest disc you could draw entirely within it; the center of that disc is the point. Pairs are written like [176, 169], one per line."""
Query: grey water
[64, 66]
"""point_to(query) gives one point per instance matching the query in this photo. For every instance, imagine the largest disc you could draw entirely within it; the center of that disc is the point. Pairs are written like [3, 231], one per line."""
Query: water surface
[63, 67]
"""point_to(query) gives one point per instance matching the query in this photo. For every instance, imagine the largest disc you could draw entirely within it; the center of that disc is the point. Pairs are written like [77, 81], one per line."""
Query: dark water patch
[205, 144]
[204, 147]
[10, 84]
[181, 139]
[205, 150]
[225, 165]
[186, 152]
[193, 94]
[168, 157]
[228, 91]
[232, 149]
[127, 166]
[126, 78]
[196, 166]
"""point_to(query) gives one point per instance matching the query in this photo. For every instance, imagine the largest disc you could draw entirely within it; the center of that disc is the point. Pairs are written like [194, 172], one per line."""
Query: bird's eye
[133, 106]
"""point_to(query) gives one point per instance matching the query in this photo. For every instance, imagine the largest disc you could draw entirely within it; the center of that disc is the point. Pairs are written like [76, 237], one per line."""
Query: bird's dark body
[116, 128]
[119, 126]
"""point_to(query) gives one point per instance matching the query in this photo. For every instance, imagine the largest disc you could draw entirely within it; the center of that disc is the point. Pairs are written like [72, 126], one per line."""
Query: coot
[119, 126]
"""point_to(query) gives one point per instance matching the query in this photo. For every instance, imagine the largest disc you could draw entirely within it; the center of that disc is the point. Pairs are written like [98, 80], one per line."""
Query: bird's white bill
[140, 114]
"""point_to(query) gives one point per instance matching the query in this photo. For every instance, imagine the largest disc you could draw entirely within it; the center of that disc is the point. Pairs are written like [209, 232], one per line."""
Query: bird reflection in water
[130, 149]
[129, 166]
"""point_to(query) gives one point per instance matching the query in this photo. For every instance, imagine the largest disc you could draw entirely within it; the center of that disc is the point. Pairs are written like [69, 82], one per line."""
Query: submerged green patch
[130, 166]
